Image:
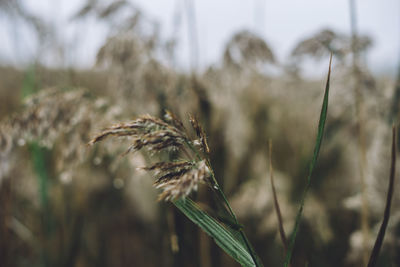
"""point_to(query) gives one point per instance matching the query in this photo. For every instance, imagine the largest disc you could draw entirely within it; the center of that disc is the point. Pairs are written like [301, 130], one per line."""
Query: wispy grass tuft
[321, 126]
[379, 239]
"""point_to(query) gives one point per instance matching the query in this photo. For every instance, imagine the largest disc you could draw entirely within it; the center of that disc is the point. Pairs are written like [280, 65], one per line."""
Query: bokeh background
[251, 71]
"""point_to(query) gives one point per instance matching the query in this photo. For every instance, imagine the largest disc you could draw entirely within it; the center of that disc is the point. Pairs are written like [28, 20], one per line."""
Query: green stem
[242, 234]
[218, 189]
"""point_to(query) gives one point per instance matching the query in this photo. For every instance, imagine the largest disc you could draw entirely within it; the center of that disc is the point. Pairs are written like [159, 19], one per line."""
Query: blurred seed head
[327, 41]
[247, 49]
[54, 118]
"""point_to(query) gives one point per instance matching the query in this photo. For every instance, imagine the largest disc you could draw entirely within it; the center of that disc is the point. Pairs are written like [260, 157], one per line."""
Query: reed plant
[213, 181]
[185, 166]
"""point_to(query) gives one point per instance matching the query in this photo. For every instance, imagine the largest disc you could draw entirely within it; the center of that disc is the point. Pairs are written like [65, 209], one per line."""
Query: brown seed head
[175, 179]
[200, 134]
[147, 131]
[170, 117]
[180, 184]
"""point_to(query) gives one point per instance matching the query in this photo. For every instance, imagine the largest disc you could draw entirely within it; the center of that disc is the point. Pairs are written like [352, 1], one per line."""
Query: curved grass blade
[222, 237]
[321, 126]
[276, 202]
[379, 240]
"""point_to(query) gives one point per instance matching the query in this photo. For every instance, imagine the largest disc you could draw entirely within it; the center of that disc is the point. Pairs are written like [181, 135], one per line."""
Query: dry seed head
[55, 118]
[170, 170]
[161, 167]
[200, 134]
[182, 184]
[175, 179]
[170, 117]
[171, 175]
[51, 112]
[246, 48]
[147, 131]
[327, 41]
[157, 141]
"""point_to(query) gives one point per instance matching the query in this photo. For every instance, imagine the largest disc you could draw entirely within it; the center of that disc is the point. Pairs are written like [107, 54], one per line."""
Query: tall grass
[320, 134]
[101, 216]
[382, 230]
[39, 160]
[276, 202]
[178, 179]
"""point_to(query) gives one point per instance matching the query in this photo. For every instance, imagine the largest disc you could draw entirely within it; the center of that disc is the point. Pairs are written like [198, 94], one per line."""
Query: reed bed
[81, 169]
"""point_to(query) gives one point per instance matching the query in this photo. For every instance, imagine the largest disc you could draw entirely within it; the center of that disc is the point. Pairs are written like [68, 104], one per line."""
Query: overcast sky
[281, 22]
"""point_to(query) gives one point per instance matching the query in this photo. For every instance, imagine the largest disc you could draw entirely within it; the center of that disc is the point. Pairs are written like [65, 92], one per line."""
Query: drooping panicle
[176, 179]
[181, 183]
[146, 131]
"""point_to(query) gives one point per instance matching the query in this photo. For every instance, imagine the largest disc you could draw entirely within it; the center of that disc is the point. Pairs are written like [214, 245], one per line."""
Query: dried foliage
[327, 41]
[246, 49]
[240, 107]
[176, 179]
[54, 116]
[180, 182]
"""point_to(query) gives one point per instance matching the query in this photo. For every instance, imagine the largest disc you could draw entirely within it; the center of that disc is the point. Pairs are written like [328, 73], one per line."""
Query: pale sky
[281, 22]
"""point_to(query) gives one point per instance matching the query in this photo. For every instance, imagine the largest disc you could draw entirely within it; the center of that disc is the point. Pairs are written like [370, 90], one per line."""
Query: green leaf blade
[222, 237]
[320, 133]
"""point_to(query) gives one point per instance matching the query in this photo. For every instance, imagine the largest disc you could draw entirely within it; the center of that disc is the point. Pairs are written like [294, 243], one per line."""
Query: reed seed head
[176, 179]
[200, 134]
[181, 183]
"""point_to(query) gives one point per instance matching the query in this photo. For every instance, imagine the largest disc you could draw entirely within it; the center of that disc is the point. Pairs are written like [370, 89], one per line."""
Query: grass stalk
[240, 229]
[38, 157]
[379, 240]
[320, 133]
[221, 194]
[282, 233]
[360, 128]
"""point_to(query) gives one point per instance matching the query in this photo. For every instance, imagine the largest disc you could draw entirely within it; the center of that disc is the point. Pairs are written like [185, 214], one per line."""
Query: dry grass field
[211, 137]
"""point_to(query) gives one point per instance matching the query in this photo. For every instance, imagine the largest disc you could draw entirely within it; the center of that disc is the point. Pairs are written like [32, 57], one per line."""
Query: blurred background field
[250, 71]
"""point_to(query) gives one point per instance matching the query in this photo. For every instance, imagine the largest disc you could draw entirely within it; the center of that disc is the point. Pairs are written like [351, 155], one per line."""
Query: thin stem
[360, 128]
[381, 235]
[221, 193]
[276, 203]
[218, 189]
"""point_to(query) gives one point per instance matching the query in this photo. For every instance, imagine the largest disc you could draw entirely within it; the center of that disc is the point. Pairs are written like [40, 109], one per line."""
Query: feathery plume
[176, 179]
